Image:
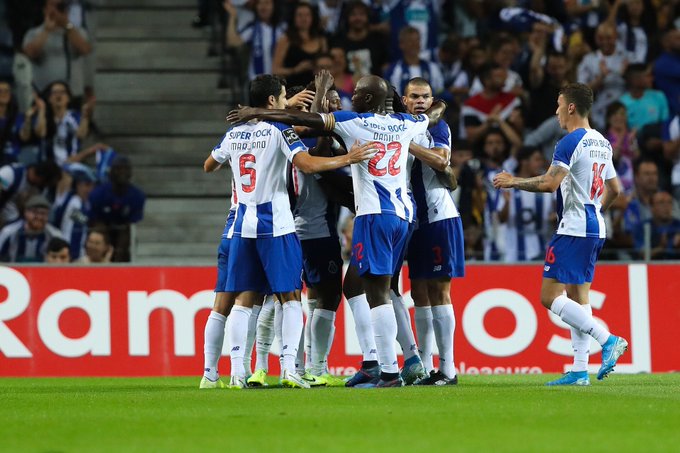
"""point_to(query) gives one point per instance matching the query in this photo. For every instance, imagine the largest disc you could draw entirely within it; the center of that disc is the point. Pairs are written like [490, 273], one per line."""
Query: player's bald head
[370, 93]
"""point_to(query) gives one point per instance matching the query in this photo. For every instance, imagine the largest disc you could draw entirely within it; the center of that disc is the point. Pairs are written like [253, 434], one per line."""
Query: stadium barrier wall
[148, 321]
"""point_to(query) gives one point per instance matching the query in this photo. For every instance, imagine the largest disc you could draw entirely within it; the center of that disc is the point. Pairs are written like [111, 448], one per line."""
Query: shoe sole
[294, 384]
[211, 385]
[579, 383]
[619, 349]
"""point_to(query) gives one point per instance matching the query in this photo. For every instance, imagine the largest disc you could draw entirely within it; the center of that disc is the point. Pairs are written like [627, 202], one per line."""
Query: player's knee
[419, 295]
[439, 293]
[547, 299]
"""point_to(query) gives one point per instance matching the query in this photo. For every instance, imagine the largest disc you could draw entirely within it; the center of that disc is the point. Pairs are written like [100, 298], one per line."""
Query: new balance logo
[285, 346]
[235, 348]
[372, 351]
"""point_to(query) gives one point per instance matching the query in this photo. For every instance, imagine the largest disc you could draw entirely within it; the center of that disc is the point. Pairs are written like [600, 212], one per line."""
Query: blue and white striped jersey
[261, 38]
[588, 157]
[381, 183]
[528, 225]
[433, 199]
[258, 152]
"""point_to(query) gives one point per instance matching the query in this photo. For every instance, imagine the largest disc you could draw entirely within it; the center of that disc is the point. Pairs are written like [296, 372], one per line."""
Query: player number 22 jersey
[380, 184]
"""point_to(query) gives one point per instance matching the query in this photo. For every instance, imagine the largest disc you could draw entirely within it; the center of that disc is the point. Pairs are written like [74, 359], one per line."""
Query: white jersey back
[433, 199]
[258, 151]
[380, 184]
[314, 216]
[588, 157]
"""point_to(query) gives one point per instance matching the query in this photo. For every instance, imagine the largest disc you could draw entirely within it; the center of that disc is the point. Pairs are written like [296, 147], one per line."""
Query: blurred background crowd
[499, 65]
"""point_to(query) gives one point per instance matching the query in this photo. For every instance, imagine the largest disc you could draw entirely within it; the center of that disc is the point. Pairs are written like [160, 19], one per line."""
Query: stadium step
[169, 150]
[182, 181]
[160, 86]
[166, 119]
[160, 55]
[159, 103]
[148, 4]
[146, 16]
[139, 33]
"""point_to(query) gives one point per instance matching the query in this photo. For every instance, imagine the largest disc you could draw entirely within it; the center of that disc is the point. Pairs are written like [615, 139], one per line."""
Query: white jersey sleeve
[221, 151]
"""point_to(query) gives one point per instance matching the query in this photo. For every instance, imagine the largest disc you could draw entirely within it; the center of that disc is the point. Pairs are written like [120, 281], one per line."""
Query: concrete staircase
[158, 102]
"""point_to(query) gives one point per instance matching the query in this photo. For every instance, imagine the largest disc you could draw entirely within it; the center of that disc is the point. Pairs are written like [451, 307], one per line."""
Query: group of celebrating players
[397, 149]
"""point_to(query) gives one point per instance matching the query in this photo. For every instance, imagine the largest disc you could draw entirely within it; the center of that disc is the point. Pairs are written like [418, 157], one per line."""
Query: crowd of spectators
[500, 65]
[63, 197]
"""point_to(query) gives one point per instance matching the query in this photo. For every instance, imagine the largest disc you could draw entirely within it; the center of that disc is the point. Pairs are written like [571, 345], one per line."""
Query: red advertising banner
[148, 321]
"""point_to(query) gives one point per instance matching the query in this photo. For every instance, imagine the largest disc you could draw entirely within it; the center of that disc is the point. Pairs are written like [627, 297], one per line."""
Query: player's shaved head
[416, 82]
[370, 94]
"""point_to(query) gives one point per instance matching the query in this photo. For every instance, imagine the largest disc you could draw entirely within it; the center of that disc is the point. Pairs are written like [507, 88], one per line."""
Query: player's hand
[229, 8]
[240, 115]
[303, 99]
[323, 80]
[503, 180]
[358, 152]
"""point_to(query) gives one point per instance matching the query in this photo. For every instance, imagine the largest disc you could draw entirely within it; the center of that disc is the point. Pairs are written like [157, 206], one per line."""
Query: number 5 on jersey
[250, 171]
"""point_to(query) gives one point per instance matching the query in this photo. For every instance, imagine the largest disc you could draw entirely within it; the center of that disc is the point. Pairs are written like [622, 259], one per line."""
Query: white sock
[444, 325]
[404, 330]
[213, 339]
[238, 332]
[300, 356]
[278, 327]
[331, 336]
[572, 313]
[250, 340]
[290, 333]
[265, 334]
[322, 325]
[311, 304]
[581, 343]
[385, 328]
[362, 323]
[425, 332]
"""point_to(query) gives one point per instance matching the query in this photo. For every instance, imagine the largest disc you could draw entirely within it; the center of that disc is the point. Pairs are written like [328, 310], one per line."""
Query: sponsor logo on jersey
[290, 136]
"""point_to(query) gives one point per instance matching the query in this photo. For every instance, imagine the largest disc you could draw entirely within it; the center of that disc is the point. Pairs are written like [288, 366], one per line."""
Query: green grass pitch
[483, 413]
